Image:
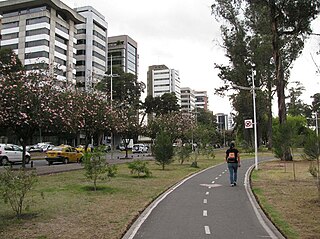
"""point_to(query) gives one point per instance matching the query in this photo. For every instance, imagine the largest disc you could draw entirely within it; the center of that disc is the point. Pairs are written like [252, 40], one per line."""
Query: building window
[37, 66]
[36, 55]
[99, 66]
[102, 37]
[96, 54]
[10, 36]
[38, 32]
[81, 52]
[97, 44]
[81, 31]
[80, 63]
[81, 41]
[80, 73]
[60, 50]
[10, 25]
[38, 20]
[62, 28]
[37, 43]
[11, 46]
[61, 39]
[60, 61]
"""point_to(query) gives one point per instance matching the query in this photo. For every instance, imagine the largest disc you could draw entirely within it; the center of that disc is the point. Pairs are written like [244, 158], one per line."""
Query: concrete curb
[270, 228]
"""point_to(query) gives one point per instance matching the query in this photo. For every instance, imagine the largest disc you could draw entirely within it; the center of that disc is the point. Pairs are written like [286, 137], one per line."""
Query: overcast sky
[183, 35]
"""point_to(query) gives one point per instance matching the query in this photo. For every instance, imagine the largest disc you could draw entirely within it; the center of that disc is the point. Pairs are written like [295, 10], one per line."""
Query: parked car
[64, 154]
[139, 148]
[11, 153]
[45, 146]
[40, 147]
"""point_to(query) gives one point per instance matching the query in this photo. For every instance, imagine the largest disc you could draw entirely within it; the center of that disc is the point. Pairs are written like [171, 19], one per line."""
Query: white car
[139, 148]
[11, 153]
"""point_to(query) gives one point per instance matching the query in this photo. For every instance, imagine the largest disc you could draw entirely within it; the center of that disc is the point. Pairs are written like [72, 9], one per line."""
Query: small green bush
[14, 186]
[184, 153]
[139, 167]
[96, 166]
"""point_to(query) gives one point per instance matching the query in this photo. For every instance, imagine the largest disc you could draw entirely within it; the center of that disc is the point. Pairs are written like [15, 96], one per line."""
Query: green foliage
[125, 88]
[139, 167]
[311, 147]
[209, 152]
[291, 134]
[14, 186]
[163, 149]
[184, 152]
[9, 62]
[97, 168]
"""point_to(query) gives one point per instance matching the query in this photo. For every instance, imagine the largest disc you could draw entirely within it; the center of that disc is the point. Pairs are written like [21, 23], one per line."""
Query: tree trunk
[280, 82]
[269, 124]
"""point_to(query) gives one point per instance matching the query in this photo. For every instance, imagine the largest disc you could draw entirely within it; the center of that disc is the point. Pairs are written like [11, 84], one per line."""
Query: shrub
[139, 167]
[163, 149]
[96, 167]
[14, 186]
[184, 152]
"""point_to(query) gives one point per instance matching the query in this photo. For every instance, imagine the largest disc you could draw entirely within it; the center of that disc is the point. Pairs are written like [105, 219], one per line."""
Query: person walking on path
[233, 160]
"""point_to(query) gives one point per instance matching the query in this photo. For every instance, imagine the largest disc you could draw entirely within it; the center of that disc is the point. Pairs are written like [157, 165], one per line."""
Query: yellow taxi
[81, 148]
[64, 154]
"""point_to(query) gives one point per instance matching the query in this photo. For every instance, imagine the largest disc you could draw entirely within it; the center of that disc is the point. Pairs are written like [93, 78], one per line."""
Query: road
[204, 206]
[42, 166]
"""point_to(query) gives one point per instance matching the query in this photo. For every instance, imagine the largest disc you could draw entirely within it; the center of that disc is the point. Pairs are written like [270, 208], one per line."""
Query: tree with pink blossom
[25, 100]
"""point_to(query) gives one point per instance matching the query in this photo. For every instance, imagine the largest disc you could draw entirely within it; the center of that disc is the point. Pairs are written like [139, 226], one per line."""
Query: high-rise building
[162, 79]
[188, 100]
[222, 121]
[124, 52]
[92, 48]
[42, 32]
[202, 100]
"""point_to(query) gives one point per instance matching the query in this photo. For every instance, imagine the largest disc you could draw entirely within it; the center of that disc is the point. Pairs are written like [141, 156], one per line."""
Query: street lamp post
[111, 75]
[255, 123]
[252, 89]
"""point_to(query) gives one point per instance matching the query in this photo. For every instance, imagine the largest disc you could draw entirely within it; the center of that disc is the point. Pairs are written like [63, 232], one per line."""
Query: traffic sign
[248, 124]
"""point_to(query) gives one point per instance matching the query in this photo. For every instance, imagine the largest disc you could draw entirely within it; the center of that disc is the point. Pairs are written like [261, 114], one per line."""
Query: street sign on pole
[248, 124]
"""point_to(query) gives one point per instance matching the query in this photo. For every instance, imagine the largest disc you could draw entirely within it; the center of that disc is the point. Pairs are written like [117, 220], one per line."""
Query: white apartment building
[202, 100]
[92, 48]
[162, 79]
[188, 99]
[42, 32]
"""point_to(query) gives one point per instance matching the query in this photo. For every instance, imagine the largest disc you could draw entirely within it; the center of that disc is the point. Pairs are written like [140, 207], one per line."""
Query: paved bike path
[204, 206]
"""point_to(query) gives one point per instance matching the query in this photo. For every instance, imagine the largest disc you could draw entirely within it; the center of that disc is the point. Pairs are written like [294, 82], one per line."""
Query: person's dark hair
[232, 145]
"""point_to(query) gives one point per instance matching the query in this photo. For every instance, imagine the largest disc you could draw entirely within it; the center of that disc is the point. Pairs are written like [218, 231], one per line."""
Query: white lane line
[223, 172]
[209, 187]
[213, 182]
[216, 178]
[205, 213]
[207, 193]
[207, 230]
[220, 175]
[205, 201]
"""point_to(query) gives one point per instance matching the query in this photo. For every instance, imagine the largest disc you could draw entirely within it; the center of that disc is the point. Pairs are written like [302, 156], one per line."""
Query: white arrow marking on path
[207, 230]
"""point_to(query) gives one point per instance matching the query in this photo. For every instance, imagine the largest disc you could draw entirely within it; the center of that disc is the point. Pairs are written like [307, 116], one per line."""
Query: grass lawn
[64, 205]
[289, 199]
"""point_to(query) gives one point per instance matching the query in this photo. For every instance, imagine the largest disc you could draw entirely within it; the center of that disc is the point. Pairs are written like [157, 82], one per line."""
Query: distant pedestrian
[233, 160]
